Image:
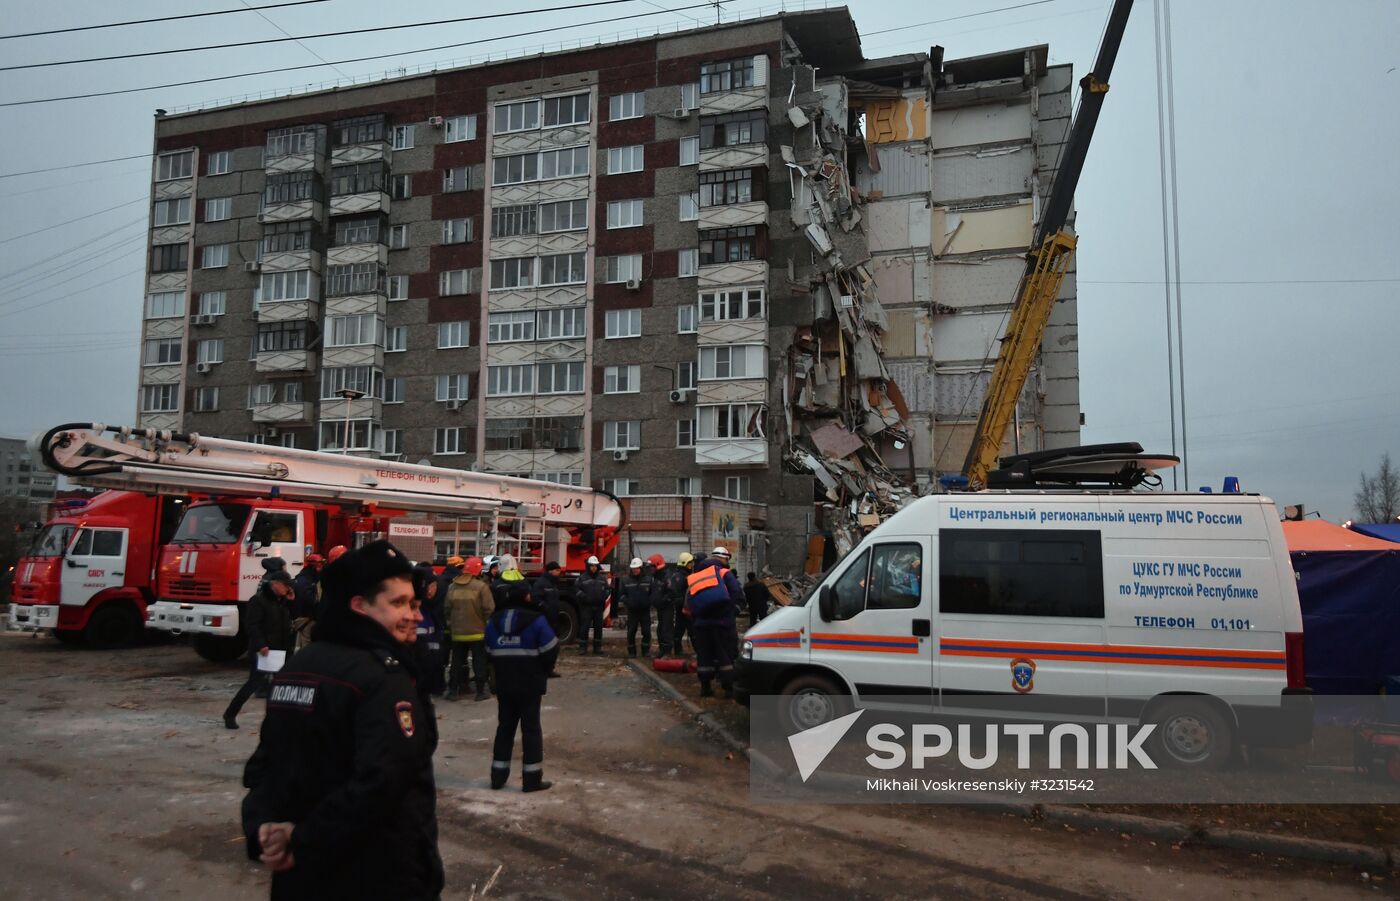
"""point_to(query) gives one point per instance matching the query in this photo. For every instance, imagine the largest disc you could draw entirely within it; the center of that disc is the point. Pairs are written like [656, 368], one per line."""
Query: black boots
[499, 776]
[230, 722]
[707, 691]
[534, 782]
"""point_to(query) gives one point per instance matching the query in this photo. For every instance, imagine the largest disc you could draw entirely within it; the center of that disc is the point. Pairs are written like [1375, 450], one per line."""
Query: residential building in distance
[739, 270]
[21, 476]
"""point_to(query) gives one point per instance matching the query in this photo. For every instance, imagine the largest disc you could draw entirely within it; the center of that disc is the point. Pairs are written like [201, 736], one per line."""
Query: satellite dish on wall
[424, 461]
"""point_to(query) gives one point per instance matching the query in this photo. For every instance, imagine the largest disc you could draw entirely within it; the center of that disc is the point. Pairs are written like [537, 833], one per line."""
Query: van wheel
[113, 627]
[567, 623]
[220, 648]
[1191, 734]
[810, 700]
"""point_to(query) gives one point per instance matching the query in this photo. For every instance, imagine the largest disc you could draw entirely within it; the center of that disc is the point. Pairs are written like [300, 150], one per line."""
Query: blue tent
[1385, 531]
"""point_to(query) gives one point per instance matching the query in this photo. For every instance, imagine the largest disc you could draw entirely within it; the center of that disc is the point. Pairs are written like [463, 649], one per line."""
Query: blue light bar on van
[1232, 485]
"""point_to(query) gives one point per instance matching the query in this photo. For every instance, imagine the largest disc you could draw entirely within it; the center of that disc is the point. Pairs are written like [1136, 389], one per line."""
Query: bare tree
[1378, 498]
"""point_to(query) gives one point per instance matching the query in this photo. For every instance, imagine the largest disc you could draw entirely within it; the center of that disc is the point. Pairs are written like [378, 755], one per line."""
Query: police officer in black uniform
[341, 800]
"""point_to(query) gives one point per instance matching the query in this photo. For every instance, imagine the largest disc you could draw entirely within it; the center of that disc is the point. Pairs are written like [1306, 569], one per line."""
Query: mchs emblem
[1023, 675]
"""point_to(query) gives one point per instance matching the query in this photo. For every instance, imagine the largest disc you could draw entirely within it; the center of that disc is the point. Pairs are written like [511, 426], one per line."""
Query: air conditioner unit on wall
[679, 395]
[454, 405]
[619, 456]
[204, 319]
[203, 367]
[252, 266]
[634, 284]
[435, 121]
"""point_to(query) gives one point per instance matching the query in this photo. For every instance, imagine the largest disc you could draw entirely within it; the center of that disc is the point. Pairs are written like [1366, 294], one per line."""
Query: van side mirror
[826, 604]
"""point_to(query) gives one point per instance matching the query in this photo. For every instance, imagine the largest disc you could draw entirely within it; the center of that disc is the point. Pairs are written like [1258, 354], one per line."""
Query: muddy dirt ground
[118, 780]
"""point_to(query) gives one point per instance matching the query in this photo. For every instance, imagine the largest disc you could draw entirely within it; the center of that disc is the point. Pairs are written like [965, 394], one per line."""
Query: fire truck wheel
[220, 648]
[567, 623]
[68, 636]
[113, 627]
[1191, 734]
[811, 700]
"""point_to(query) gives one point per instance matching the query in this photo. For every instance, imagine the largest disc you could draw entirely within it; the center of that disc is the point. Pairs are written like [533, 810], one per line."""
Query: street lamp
[349, 394]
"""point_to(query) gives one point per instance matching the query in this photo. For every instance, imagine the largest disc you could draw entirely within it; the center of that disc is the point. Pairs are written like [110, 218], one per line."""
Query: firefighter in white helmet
[712, 593]
[636, 589]
[591, 594]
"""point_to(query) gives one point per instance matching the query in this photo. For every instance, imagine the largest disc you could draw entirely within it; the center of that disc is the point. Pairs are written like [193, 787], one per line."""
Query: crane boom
[152, 461]
[1046, 264]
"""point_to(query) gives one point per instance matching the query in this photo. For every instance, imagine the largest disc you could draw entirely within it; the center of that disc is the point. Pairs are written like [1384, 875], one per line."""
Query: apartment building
[640, 266]
[21, 476]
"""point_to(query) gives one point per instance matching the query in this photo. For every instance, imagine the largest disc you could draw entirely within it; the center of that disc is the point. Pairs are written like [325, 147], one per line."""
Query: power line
[221, 12]
[68, 184]
[88, 243]
[325, 34]
[1246, 281]
[47, 228]
[115, 159]
[33, 288]
[299, 43]
[985, 12]
[339, 62]
[73, 294]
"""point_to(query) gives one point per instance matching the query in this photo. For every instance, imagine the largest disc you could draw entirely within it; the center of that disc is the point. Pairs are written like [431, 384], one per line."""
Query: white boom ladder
[153, 461]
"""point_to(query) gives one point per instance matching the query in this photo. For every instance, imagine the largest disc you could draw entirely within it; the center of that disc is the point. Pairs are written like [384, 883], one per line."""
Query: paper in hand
[272, 661]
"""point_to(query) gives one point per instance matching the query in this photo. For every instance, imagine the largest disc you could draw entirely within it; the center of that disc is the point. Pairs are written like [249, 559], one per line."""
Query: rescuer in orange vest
[712, 592]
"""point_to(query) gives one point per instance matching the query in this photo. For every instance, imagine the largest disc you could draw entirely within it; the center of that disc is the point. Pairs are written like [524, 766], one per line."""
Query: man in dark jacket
[545, 593]
[713, 592]
[341, 800]
[664, 604]
[267, 620]
[452, 570]
[591, 593]
[431, 643]
[676, 575]
[757, 595]
[523, 649]
[636, 589]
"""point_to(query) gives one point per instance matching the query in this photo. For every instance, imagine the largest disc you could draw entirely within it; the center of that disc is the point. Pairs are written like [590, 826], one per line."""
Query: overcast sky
[1287, 120]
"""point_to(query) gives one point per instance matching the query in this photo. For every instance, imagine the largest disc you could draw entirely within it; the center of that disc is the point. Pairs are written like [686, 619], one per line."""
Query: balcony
[353, 355]
[362, 202]
[746, 272]
[720, 452]
[739, 156]
[734, 215]
[300, 413]
[286, 361]
[717, 103]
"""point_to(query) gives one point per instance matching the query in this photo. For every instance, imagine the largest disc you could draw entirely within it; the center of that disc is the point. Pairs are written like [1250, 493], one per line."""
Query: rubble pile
[840, 403]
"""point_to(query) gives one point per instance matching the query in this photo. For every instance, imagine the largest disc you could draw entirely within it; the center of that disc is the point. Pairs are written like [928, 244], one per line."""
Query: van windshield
[52, 541]
[212, 524]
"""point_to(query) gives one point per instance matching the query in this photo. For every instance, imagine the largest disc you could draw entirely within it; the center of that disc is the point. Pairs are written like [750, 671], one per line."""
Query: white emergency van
[1177, 609]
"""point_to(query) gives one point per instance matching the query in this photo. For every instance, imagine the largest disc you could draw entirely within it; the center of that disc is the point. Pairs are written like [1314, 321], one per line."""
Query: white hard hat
[591, 561]
[490, 560]
[720, 551]
[636, 563]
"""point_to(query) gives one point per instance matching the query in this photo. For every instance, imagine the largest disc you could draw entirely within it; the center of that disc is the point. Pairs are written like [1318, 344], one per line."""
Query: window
[685, 436]
[396, 339]
[365, 379]
[278, 336]
[360, 130]
[219, 163]
[362, 435]
[448, 441]
[354, 331]
[559, 378]
[452, 335]
[516, 169]
[401, 187]
[571, 110]
[687, 263]
[358, 231]
[398, 287]
[561, 433]
[624, 435]
[1016, 572]
[729, 421]
[456, 231]
[294, 285]
[622, 487]
[210, 350]
[732, 129]
[509, 221]
[265, 393]
[393, 442]
[206, 400]
[738, 361]
[687, 486]
[727, 187]
[567, 477]
[690, 207]
[502, 381]
[624, 159]
[355, 278]
[293, 140]
[291, 393]
[170, 166]
[690, 96]
[393, 390]
[452, 387]
[170, 257]
[403, 137]
[291, 187]
[214, 256]
[685, 319]
[685, 376]
[564, 216]
[562, 322]
[173, 212]
[459, 128]
[457, 281]
[163, 351]
[502, 328]
[623, 269]
[217, 209]
[517, 272]
[690, 150]
[728, 75]
[737, 303]
[361, 178]
[737, 488]
[213, 303]
[398, 237]
[624, 214]
[165, 305]
[626, 106]
[622, 324]
[456, 178]
[622, 379]
[159, 398]
[521, 116]
[564, 269]
[285, 237]
[566, 163]
[728, 245]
